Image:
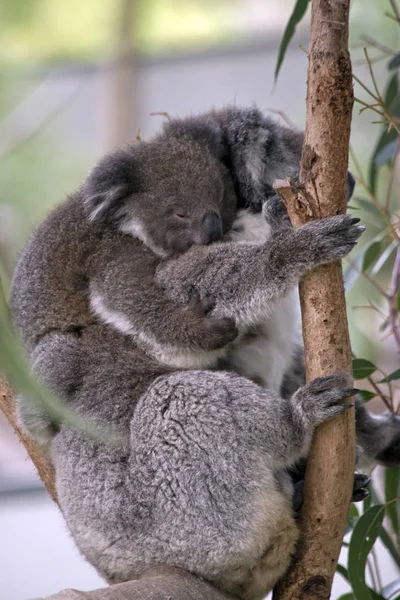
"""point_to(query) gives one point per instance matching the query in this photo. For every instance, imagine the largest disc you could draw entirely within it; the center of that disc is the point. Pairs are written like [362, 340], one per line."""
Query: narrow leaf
[371, 255]
[362, 368]
[366, 395]
[394, 63]
[343, 571]
[392, 377]
[392, 481]
[295, 18]
[365, 533]
[386, 153]
[390, 546]
[391, 98]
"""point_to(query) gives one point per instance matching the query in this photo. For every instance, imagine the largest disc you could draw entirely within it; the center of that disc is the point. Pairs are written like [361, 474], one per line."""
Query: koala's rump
[192, 488]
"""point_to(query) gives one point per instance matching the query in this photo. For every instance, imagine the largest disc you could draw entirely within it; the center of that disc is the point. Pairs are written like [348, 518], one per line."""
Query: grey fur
[199, 477]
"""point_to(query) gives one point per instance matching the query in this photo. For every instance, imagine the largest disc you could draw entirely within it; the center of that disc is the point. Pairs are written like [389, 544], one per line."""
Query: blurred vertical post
[123, 74]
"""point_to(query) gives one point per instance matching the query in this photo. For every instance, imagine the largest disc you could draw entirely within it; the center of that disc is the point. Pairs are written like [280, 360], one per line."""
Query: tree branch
[322, 193]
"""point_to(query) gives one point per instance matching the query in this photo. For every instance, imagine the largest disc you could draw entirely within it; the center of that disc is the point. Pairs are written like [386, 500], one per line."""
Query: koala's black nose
[212, 228]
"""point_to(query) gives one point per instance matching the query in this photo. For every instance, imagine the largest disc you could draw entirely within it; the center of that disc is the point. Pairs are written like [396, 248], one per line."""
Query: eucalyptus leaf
[342, 571]
[394, 63]
[365, 533]
[366, 395]
[386, 153]
[371, 255]
[386, 137]
[298, 13]
[392, 484]
[362, 368]
[392, 377]
[390, 546]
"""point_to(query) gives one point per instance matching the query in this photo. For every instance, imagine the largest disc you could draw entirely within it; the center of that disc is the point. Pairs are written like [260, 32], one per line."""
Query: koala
[191, 465]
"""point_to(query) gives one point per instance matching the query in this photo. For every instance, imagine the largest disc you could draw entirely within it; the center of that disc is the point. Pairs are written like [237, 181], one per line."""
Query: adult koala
[199, 476]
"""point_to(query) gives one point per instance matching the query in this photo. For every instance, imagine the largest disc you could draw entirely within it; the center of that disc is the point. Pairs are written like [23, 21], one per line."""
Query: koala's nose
[212, 227]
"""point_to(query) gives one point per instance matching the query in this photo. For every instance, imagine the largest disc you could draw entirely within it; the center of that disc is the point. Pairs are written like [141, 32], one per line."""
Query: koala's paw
[331, 238]
[321, 399]
[213, 332]
[275, 213]
[360, 483]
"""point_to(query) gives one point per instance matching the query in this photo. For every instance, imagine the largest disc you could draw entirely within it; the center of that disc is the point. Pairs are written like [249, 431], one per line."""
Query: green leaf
[392, 481]
[366, 395]
[365, 533]
[390, 547]
[343, 571]
[386, 137]
[371, 255]
[386, 154]
[398, 301]
[346, 597]
[394, 63]
[392, 377]
[295, 18]
[362, 368]
[392, 90]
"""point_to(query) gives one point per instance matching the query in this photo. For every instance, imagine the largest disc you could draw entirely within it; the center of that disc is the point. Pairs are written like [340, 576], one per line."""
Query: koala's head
[171, 192]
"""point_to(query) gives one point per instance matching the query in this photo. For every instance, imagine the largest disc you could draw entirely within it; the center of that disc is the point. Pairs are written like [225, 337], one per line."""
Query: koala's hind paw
[322, 398]
[361, 482]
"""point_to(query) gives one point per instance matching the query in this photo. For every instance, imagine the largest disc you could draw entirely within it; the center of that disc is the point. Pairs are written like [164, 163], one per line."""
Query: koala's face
[171, 194]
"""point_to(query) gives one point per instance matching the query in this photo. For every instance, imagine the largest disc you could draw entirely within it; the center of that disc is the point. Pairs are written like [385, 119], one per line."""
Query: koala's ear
[109, 183]
[202, 129]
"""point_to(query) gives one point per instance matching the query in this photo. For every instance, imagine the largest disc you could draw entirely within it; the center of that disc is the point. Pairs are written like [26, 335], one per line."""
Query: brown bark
[159, 583]
[39, 459]
[322, 193]
[123, 75]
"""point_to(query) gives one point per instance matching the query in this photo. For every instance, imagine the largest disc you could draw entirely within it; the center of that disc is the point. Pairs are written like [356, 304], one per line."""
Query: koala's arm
[246, 280]
[124, 294]
[378, 436]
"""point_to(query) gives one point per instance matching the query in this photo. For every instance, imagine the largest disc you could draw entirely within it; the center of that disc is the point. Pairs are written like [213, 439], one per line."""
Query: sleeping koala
[198, 478]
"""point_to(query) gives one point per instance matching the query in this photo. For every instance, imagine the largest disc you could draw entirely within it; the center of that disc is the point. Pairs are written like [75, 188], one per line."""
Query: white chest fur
[264, 353]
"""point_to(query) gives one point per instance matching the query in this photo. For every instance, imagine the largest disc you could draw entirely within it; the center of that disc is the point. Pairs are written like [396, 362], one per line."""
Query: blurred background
[80, 77]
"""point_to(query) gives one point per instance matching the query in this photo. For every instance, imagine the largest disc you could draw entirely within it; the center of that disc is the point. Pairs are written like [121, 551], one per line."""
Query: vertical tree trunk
[322, 193]
[123, 75]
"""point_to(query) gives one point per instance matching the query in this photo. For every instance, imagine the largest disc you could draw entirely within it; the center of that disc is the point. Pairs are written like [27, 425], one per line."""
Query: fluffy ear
[202, 129]
[109, 183]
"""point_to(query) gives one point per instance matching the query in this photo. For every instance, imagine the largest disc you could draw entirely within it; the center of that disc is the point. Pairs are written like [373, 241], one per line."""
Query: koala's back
[49, 287]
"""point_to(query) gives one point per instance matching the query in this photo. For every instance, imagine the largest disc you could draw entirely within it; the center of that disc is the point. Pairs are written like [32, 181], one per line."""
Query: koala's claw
[361, 481]
[331, 238]
[321, 399]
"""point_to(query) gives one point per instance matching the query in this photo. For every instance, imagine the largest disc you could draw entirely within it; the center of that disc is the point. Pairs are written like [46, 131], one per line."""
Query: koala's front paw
[213, 332]
[220, 331]
[275, 213]
[321, 399]
[331, 238]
